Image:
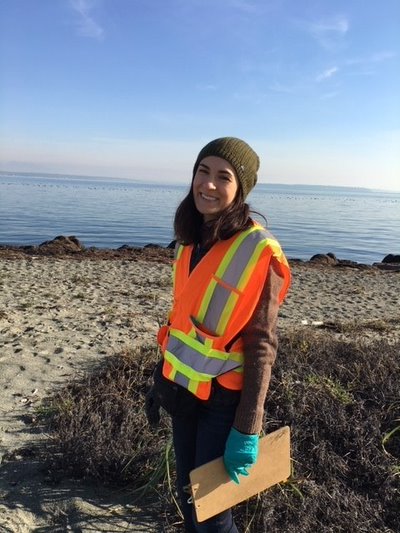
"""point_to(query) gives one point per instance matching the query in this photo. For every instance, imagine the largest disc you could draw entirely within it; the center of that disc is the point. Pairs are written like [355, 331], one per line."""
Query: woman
[220, 343]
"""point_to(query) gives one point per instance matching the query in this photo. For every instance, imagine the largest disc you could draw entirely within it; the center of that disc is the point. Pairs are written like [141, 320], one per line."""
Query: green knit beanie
[239, 154]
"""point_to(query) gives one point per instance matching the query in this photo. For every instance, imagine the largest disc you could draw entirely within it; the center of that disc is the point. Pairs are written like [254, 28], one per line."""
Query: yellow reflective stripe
[276, 248]
[236, 356]
[226, 260]
[227, 313]
[280, 256]
[185, 369]
[178, 253]
[198, 346]
[208, 342]
[192, 386]
[252, 263]
[243, 281]
[232, 250]
[248, 271]
[244, 278]
[173, 276]
[206, 300]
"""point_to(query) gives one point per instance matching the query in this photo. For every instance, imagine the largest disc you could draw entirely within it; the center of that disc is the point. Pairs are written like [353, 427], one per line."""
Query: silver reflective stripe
[198, 362]
[181, 380]
[216, 306]
[200, 338]
[241, 258]
[232, 276]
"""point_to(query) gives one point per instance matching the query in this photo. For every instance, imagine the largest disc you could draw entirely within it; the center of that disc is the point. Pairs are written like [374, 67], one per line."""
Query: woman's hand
[241, 452]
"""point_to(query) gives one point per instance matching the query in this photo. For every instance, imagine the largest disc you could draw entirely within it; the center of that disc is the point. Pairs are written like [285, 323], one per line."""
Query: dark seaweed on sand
[339, 397]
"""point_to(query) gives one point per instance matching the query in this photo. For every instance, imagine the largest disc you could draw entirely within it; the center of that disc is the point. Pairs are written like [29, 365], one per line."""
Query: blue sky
[134, 88]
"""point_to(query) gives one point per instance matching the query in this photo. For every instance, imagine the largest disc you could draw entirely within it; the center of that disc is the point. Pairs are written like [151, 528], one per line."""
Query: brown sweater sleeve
[260, 346]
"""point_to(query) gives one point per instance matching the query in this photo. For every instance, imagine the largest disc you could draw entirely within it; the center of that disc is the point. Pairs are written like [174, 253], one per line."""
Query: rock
[172, 245]
[324, 259]
[391, 258]
[394, 267]
[353, 264]
[61, 244]
[151, 245]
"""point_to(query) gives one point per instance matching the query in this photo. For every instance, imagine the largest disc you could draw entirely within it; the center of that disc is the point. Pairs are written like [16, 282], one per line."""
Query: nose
[209, 183]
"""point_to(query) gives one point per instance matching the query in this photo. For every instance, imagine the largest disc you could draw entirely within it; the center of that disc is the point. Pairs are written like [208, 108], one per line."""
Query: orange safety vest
[212, 305]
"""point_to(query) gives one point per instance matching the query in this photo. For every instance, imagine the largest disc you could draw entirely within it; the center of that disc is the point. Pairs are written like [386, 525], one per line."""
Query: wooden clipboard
[213, 491]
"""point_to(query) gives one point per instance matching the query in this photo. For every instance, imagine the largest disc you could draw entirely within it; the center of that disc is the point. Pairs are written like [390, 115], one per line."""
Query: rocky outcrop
[390, 262]
[62, 245]
[330, 259]
[152, 245]
[71, 247]
[324, 259]
[391, 258]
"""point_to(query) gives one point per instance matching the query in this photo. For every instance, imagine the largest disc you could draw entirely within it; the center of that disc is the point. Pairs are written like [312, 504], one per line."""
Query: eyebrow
[227, 172]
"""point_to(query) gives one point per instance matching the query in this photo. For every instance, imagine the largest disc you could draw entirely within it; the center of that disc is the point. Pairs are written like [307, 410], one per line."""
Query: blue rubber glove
[241, 452]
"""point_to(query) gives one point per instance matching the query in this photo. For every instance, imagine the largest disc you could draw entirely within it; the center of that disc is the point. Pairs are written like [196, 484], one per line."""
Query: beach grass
[338, 395]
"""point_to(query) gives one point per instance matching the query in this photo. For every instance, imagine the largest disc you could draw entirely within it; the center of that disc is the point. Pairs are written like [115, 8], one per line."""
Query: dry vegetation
[340, 398]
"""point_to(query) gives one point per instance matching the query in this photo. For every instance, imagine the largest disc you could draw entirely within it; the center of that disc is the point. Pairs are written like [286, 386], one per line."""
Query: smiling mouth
[208, 198]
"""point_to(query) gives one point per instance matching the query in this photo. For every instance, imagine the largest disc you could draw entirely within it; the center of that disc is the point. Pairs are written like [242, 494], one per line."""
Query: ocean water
[358, 224]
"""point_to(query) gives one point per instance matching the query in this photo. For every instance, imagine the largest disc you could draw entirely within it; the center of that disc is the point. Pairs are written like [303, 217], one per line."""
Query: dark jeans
[200, 438]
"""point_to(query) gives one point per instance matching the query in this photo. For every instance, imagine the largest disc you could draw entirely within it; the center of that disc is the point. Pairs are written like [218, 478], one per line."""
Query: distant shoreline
[116, 179]
[354, 224]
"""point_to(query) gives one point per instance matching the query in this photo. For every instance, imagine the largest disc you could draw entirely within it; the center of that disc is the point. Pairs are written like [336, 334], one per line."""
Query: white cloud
[369, 65]
[86, 24]
[328, 73]
[377, 57]
[329, 33]
[382, 56]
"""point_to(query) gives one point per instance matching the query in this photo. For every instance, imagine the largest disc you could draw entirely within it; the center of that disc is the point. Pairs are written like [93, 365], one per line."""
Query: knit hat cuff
[237, 153]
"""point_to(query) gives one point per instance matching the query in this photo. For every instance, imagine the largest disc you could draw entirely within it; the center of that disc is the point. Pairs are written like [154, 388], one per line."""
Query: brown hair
[190, 228]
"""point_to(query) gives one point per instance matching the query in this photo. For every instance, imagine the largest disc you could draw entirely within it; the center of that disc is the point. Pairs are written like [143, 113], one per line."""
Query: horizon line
[158, 182]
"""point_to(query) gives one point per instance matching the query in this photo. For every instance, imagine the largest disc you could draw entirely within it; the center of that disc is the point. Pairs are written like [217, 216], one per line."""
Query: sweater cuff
[249, 423]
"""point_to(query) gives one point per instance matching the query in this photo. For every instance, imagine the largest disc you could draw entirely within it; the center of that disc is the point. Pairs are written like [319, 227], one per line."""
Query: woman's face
[214, 186]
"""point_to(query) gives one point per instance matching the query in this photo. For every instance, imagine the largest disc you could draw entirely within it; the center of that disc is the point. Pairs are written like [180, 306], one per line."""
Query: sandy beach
[60, 315]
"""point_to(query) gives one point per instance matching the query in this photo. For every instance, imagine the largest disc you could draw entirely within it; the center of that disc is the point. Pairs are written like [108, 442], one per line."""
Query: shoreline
[71, 248]
[61, 313]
